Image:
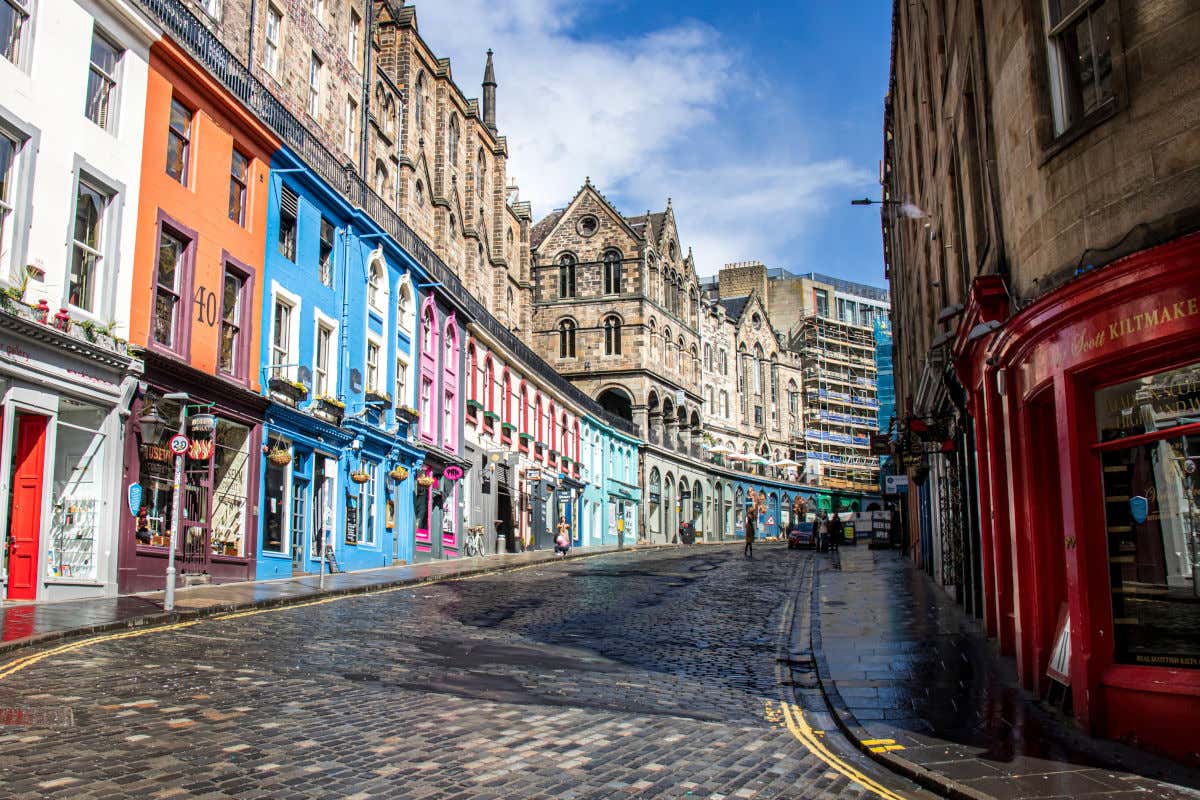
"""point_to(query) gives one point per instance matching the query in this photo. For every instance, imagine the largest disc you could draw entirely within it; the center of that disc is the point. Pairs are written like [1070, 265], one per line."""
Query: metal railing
[340, 174]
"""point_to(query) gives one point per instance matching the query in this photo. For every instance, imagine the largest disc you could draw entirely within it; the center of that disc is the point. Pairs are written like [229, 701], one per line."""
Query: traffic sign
[179, 444]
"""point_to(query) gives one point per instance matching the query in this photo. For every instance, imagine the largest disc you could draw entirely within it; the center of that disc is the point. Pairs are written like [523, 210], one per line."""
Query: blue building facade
[339, 313]
[612, 494]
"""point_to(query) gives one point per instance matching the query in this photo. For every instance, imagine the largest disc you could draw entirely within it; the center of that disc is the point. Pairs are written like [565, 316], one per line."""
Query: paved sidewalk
[26, 624]
[905, 669]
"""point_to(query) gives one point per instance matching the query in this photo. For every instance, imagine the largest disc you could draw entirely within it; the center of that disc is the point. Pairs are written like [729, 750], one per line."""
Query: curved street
[623, 675]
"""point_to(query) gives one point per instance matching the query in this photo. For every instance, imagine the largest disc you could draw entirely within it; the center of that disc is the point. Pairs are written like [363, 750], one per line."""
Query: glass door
[299, 523]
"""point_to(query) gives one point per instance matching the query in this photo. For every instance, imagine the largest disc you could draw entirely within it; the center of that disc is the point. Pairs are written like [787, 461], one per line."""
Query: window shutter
[289, 202]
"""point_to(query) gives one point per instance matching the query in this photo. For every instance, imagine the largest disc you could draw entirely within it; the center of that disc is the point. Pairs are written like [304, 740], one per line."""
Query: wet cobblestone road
[625, 675]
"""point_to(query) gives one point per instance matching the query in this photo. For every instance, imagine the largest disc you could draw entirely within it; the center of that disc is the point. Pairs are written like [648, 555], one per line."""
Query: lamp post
[176, 509]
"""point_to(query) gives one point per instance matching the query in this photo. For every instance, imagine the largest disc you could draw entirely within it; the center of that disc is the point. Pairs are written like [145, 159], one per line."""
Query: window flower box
[407, 413]
[378, 396]
[292, 390]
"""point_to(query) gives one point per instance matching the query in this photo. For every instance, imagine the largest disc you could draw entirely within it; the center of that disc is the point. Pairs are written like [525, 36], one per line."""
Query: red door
[25, 509]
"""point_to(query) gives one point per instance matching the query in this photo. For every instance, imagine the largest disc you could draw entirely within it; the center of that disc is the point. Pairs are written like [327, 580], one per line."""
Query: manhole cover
[38, 717]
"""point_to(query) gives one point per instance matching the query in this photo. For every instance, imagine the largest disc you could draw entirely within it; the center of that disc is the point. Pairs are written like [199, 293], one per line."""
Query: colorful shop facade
[1086, 406]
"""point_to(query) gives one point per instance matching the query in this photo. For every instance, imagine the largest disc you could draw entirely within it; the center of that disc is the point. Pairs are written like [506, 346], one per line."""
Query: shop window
[367, 494]
[1152, 516]
[179, 141]
[239, 172]
[230, 482]
[289, 211]
[78, 495]
[275, 503]
[170, 316]
[88, 244]
[101, 99]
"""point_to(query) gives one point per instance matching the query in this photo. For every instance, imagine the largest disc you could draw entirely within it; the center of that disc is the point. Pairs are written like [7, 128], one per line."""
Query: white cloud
[669, 112]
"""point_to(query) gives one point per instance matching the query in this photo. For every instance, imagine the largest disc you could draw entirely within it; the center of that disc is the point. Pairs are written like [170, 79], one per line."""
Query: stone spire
[489, 94]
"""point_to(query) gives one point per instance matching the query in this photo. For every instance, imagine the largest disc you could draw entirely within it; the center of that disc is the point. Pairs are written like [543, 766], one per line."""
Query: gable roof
[539, 232]
[648, 226]
[734, 306]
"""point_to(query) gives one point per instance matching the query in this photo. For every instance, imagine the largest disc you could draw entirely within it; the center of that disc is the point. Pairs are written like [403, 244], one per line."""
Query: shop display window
[275, 500]
[231, 473]
[78, 490]
[1152, 513]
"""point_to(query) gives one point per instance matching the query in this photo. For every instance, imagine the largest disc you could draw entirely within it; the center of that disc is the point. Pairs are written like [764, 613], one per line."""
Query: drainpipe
[250, 37]
[368, 38]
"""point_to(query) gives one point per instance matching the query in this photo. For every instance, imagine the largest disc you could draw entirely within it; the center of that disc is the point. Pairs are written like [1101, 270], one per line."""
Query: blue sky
[761, 120]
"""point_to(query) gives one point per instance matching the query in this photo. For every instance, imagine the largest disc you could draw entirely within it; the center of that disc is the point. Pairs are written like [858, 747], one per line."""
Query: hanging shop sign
[452, 472]
[1139, 509]
[135, 498]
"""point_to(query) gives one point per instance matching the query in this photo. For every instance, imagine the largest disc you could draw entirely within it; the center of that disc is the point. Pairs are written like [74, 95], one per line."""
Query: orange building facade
[195, 315]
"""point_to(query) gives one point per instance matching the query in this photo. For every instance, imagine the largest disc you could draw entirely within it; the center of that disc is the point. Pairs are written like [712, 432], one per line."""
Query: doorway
[25, 506]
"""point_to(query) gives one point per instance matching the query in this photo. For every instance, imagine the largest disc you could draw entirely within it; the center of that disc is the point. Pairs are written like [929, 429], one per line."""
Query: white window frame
[271, 46]
[350, 143]
[316, 71]
[24, 8]
[114, 80]
[110, 239]
[378, 293]
[279, 294]
[368, 497]
[211, 7]
[374, 384]
[322, 321]
[354, 39]
[317, 7]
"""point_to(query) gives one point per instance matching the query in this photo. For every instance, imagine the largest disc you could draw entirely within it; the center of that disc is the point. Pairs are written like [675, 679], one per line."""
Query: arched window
[452, 141]
[524, 412]
[760, 370]
[480, 169]
[376, 284]
[419, 103]
[472, 376]
[489, 386]
[405, 305]
[612, 335]
[419, 194]
[566, 275]
[537, 413]
[566, 339]
[427, 330]
[511, 320]
[667, 348]
[381, 178]
[695, 365]
[506, 397]
[708, 362]
[612, 272]
[653, 328]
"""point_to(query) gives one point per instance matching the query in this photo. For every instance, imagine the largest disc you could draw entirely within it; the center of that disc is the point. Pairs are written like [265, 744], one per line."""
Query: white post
[176, 517]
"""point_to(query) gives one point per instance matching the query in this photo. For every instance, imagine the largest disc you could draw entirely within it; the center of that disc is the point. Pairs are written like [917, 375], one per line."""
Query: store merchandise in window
[1152, 513]
[275, 499]
[231, 462]
[78, 488]
[156, 476]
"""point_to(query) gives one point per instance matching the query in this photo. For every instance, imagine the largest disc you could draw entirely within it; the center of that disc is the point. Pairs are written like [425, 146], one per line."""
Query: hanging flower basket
[398, 473]
[360, 476]
[425, 481]
[280, 456]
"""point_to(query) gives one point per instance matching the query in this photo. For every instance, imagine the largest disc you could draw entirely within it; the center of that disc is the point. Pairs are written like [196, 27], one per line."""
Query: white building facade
[72, 111]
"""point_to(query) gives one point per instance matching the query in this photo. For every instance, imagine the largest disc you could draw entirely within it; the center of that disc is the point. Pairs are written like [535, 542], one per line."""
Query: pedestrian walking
[748, 551]
[562, 542]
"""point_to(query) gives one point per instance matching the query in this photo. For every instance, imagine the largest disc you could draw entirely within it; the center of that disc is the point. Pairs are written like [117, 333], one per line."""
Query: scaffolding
[841, 405]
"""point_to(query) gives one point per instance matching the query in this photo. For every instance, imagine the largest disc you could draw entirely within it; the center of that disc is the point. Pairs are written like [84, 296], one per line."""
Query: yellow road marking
[869, 742]
[799, 727]
[19, 664]
[887, 748]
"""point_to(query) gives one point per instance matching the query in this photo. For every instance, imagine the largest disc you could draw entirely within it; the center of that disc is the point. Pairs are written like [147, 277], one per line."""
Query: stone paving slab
[26, 624]
[904, 668]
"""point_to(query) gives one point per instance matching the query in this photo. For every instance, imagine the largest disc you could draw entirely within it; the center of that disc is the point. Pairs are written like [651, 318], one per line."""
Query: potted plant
[280, 456]
[398, 473]
[16, 293]
[360, 476]
[293, 390]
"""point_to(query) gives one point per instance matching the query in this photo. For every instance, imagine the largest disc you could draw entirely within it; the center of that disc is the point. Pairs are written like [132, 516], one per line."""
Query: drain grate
[37, 717]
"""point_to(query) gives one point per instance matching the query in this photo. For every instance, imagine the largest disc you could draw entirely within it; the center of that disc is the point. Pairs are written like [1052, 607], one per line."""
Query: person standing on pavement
[748, 551]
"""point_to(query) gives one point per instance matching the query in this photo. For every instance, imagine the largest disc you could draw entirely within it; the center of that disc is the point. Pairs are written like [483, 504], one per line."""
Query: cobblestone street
[643, 675]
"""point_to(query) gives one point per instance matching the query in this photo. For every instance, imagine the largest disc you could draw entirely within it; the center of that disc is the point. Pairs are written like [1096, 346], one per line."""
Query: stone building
[1041, 205]
[616, 310]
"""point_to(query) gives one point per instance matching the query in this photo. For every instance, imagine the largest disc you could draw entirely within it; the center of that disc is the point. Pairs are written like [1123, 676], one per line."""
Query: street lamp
[176, 502]
[866, 201]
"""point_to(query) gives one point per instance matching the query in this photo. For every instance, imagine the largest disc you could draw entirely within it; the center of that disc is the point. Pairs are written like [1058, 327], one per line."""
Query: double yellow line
[799, 727]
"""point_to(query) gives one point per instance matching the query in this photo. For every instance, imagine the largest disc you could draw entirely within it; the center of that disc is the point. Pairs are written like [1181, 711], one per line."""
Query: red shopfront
[220, 493]
[1087, 412]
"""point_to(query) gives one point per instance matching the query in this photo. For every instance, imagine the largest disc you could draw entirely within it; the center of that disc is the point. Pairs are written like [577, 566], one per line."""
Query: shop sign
[1133, 321]
[179, 444]
[1147, 404]
[533, 475]
[351, 519]
[895, 484]
[452, 472]
[135, 498]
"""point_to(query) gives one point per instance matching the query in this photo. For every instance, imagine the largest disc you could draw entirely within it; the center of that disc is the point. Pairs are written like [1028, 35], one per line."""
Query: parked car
[801, 535]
